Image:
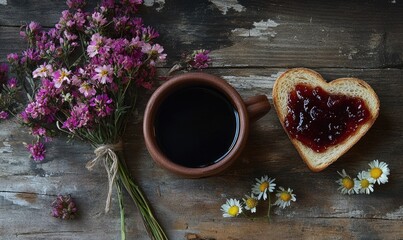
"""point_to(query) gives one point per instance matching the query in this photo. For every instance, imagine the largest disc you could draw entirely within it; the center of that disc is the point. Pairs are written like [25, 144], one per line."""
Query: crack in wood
[45, 233]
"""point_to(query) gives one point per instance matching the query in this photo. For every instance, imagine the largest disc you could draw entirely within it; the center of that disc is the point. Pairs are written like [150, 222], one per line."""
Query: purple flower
[61, 76]
[12, 58]
[79, 117]
[200, 59]
[43, 106]
[30, 54]
[34, 27]
[80, 19]
[3, 115]
[12, 83]
[97, 41]
[37, 151]
[149, 34]
[43, 71]
[64, 207]
[104, 74]
[87, 89]
[101, 104]
[76, 4]
[108, 4]
[154, 52]
[38, 131]
[98, 19]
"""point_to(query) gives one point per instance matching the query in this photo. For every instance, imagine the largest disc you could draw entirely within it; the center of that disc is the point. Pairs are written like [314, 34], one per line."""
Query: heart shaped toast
[323, 119]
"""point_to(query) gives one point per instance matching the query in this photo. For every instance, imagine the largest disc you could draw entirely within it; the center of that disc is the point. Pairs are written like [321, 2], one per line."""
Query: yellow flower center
[348, 183]
[43, 70]
[364, 183]
[63, 74]
[251, 203]
[285, 196]
[104, 73]
[263, 186]
[375, 173]
[233, 210]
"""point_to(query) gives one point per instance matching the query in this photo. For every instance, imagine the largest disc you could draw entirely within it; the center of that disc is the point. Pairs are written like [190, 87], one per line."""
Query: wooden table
[252, 42]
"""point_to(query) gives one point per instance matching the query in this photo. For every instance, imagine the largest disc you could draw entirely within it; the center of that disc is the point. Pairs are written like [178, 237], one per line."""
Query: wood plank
[276, 34]
[187, 206]
[253, 42]
[286, 33]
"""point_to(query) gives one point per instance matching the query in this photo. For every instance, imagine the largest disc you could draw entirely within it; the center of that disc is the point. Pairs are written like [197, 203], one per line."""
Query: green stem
[122, 212]
[151, 224]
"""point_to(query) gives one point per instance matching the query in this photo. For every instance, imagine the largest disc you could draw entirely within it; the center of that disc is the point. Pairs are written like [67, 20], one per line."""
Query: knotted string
[106, 155]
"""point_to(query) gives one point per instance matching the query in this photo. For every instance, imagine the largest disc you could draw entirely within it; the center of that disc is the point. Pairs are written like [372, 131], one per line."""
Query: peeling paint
[253, 81]
[262, 29]
[396, 215]
[22, 199]
[350, 53]
[7, 148]
[3, 2]
[224, 6]
[151, 3]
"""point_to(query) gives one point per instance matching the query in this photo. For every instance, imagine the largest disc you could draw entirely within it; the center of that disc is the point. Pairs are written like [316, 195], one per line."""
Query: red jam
[320, 120]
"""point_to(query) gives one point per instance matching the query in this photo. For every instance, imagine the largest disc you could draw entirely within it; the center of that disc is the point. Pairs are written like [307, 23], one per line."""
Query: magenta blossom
[98, 19]
[200, 59]
[12, 58]
[43, 71]
[61, 76]
[104, 74]
[102, 105]
[98, 45]
[37, 151]
[38, 131]
[64, 207]
[79, 117]
[3, 115]
[12, 83]
[76, 4]
[87, 89]
[155, 53]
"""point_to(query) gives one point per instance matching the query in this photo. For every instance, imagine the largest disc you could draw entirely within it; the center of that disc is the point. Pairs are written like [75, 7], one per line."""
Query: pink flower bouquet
[81, 78]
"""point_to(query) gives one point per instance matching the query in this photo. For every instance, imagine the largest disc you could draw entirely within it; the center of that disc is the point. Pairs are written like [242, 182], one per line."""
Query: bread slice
[286, 83]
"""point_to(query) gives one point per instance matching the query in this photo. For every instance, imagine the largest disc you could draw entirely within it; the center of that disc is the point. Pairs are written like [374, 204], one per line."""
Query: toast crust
[347, 86]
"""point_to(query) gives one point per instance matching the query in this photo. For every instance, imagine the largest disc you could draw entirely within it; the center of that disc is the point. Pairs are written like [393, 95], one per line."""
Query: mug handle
[257, 107]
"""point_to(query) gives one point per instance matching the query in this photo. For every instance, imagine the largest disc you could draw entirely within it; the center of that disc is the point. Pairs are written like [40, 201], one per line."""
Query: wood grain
[252, 43]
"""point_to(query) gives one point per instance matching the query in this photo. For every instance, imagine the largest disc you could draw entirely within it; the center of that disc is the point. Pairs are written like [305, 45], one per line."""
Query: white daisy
[284, 197]
[379, 171]
[250, 202]
[231, 208]
[347, 184]
[366, 185]
[262, 186]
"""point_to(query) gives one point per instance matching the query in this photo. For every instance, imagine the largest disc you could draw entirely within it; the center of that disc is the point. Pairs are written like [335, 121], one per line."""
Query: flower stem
[151, 224]
[122, 212]
[268, 211]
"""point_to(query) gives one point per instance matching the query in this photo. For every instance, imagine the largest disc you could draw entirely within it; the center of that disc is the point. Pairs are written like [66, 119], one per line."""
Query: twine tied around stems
[106, 155]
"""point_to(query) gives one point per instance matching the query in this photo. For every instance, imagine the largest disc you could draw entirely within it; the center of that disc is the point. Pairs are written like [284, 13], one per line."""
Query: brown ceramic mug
[196, 124]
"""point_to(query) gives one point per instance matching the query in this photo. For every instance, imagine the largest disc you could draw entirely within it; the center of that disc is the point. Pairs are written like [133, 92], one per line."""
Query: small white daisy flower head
[262, 186]
[366, 184]
[284, 197]
[231, 208]
[378, 172]
[250, 202]
[347, 184]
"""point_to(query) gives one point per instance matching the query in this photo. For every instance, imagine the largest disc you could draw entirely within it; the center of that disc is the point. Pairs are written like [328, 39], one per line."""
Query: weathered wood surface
[252, 43]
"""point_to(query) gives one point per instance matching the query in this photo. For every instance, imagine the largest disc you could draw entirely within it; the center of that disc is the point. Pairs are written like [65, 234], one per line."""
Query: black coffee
[196, 126]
